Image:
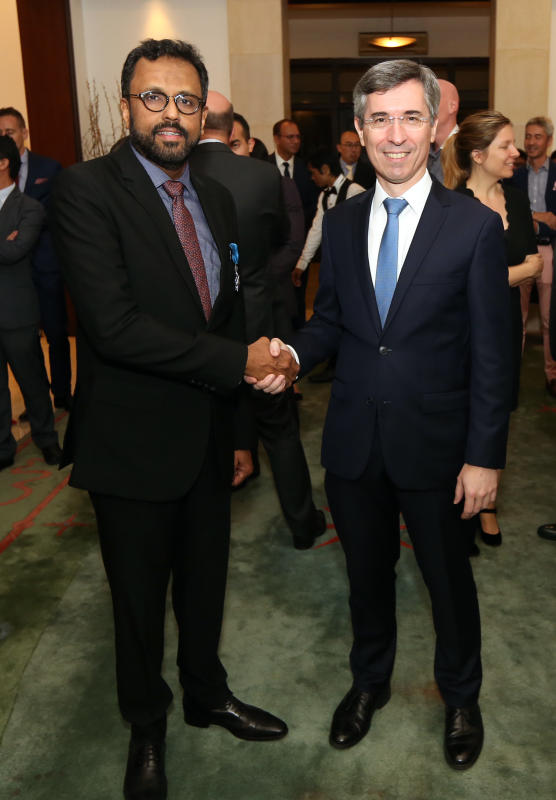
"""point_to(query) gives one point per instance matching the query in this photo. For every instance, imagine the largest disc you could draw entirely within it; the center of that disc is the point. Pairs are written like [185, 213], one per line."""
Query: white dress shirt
[280, 164]
[23, 171]
[408, 220]
[314, 237]
[5, 193]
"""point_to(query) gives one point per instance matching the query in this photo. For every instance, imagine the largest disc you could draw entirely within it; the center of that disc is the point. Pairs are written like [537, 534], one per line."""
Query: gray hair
[388, 75]
[543, 122]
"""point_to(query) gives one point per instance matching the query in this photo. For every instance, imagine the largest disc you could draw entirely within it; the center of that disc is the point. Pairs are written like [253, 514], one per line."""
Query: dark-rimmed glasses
[157, 101]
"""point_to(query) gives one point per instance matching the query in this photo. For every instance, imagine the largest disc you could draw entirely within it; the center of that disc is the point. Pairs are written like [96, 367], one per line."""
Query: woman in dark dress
[475, 161]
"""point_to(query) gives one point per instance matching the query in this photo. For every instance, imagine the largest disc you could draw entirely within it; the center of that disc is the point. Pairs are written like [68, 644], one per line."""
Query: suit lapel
[360, 239]
[218, 227]
[8, 212]
[137, 182]
[430, 224]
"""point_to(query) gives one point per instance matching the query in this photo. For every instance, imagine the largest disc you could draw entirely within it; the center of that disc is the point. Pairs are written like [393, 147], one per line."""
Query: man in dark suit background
[414, 299]
[150, 255]
[21, 221]
[287, 140]
[262, 223]
[538, 180]
[354, 166]
[35, 179]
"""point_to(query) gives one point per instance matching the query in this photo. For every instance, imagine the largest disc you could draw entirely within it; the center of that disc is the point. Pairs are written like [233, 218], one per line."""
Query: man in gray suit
[21, 220]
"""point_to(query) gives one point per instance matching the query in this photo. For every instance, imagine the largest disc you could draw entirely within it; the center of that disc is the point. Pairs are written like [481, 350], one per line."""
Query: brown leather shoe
[463, 736]
[352, 718]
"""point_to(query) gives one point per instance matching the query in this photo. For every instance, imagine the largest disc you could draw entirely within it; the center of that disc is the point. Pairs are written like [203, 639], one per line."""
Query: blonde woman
[475, 161]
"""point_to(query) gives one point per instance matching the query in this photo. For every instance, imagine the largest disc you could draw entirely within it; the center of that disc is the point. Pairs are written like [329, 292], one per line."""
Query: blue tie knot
[394, 205]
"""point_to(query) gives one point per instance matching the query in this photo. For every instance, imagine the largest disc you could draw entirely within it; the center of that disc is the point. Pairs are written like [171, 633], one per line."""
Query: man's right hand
[270, 365]
[297, 274]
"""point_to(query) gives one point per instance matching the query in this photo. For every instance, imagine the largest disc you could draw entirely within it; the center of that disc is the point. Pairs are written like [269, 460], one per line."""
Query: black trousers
[366, 514]
[278, 430]
[54, 322]
[21, 349]
[144, 545]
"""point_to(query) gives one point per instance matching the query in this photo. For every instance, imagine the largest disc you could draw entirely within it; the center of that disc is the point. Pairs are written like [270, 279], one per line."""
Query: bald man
[256, 189]
[446, 127]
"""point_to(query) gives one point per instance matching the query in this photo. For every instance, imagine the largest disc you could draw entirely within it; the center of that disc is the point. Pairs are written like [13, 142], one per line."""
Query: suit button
[384, 351]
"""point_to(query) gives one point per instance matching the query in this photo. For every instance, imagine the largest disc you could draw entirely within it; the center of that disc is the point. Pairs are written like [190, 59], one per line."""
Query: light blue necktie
[387, 264]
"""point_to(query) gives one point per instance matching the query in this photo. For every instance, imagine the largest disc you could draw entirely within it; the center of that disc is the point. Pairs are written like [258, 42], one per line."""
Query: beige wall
[259, 63]
[522, 45]
[12, 85]
[329, 37]
[104, 31]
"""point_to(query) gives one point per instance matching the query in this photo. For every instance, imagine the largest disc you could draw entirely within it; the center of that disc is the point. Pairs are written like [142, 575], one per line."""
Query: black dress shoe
[548, 531]
[463, 736]
[6, 462]
[63, 402]
[307, 541]
[352, 718]
[243, 721]
[145, 778]
[492, 539]
[52, 453]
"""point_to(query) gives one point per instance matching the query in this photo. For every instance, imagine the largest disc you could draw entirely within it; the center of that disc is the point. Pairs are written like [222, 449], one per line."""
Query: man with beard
[151, 260]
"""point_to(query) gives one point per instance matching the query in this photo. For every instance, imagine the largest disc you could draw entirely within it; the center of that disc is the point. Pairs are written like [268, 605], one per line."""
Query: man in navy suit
[538, 180]
[35, 179]
[416, 307]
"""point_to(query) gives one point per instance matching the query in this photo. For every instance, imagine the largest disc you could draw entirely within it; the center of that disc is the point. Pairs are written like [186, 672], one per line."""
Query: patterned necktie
[185, 228]
[387, 264]
[286, 170]
[349, 172]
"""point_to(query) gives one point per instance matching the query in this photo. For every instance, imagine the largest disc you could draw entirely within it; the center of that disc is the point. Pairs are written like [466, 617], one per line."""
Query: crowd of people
[185, 252]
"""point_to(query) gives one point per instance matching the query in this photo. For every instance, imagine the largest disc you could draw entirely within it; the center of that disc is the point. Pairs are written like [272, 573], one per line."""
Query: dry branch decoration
[97, 141]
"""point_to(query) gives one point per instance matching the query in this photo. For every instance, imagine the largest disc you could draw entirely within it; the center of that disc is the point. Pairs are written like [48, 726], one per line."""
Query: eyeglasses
[290, 136]
[156, 101]
[378, 121]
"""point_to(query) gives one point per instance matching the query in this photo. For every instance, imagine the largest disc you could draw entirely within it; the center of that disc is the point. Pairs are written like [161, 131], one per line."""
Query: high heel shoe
[492, 539]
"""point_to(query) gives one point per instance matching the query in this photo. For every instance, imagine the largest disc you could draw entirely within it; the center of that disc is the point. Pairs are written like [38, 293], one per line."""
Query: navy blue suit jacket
[520, 179]
[436, 381]
[308, 192]
[40, 177]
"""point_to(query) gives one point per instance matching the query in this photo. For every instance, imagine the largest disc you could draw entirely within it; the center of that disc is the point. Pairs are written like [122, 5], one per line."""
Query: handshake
[270, 366]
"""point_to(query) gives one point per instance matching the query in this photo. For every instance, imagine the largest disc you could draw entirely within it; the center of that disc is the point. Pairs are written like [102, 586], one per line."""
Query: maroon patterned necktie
[185, 228]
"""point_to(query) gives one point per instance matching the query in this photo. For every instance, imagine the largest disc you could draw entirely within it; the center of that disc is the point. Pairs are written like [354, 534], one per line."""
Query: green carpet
[285, 644]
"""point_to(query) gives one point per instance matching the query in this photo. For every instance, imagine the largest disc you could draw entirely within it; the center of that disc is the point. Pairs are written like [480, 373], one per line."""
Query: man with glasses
[354, 167]
[413, 298]
[151, 260]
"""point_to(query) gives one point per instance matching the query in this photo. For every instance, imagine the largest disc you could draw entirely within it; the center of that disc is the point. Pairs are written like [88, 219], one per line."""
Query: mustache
[170, 126]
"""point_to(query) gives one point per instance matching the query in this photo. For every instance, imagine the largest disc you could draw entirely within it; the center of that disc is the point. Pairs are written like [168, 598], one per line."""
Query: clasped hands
[270, 366]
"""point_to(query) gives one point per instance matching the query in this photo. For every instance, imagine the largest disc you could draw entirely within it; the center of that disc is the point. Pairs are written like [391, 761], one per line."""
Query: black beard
[166, 155]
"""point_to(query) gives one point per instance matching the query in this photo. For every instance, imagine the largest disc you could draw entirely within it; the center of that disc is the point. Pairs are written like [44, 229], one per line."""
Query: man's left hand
[243, 466]
[477, 486]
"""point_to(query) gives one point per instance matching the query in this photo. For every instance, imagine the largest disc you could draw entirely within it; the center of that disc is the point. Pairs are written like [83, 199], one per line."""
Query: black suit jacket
[520, 179]
[256, 189]
[364, 174]
[155, 380]
[40, 179]
[18, 298]
[307, 190]
[436, 381]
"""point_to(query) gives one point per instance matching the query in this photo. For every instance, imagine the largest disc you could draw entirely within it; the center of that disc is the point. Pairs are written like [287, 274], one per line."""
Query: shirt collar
[542, 168]
[339, 181]
[5, 192]
[416, 196]
[157, 174]
[280, 160]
